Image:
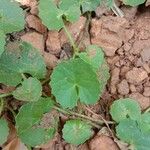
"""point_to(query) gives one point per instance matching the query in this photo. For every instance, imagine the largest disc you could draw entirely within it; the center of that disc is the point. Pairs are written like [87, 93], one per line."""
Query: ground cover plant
[74, 83]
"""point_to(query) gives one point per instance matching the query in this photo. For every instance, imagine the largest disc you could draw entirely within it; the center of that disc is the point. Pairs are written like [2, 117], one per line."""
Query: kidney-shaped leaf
[144, 123]
[31, 90]
[125, 108]
[4, 131]
[2, 41]
[127, 130]
[71, 9]
[89, 5]
[76, 132]
[21, 57]
[28, 117]
[133, 2]
[93, 55]
[11, 16]
[50, 15]
[73, 80]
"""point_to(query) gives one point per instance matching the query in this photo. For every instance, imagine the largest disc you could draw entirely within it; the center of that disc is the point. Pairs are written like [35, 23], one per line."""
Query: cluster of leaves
[82, 78]
[133, 127]
[52, 14]
[9, 23]
[22, 66]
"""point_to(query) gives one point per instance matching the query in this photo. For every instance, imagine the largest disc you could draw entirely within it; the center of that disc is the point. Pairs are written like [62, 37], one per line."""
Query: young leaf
[94, 56]
[9, 77]
[4, 131]
[27, 121]
[50, 15]
[76, 132]
[21, 57]
[36, 136]
[31, 90]
[31, 113]
[89, 5]
[70, 9]
[144, 123]
[133, 2]
[11, 16]
[73, 80]
[2, 42]
[142, 142]
[125, 108]
[128, 131]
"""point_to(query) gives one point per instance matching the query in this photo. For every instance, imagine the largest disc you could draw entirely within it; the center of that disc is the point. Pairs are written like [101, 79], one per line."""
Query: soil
[126, 44]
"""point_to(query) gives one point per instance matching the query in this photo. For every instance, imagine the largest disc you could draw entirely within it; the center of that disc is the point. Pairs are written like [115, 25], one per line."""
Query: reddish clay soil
[126, 44]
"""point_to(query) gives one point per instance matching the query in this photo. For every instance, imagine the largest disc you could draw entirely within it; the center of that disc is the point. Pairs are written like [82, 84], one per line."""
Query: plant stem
[147, 110]
[100, 122]
[117, 10]
[5, 95]
[71, 41]
[1, 105]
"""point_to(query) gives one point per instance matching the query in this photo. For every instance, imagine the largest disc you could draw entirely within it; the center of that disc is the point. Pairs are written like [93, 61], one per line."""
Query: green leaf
[34, 137]
[76, 132]
[133, 2]
[103, 76]
[2, 42]
[142, 142]
[27, 121]
[71, 9]
[19, 58]
[9, 77]
[125, 108]
[128, 131]
[94, 56]
[31, 113]
[89, 5]
[4, 131]
[144, 123]
[30, 90]
[11, 16]
[50, 15]
[73, 80]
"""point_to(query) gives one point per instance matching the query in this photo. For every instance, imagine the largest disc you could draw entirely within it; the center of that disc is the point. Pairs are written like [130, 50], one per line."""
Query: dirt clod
[123, 87]
[53, 42]
[102, 143]
[35, 23]
[136, 75]
[35, 39]
[143, 101]
[146, 91]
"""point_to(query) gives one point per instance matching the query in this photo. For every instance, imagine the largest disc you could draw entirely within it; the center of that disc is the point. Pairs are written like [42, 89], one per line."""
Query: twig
[5, 95]
[100, 122]
[117, 10]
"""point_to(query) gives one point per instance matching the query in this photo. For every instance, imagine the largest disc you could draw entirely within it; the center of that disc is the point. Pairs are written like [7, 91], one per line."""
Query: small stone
[127, 46]
[146, 91]
[102, 142]
[35, 23]
[36, 39]
[123, 87]
[53, 42]
[145, 54]
[136, 75]
[143, 101]
[132, 88]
